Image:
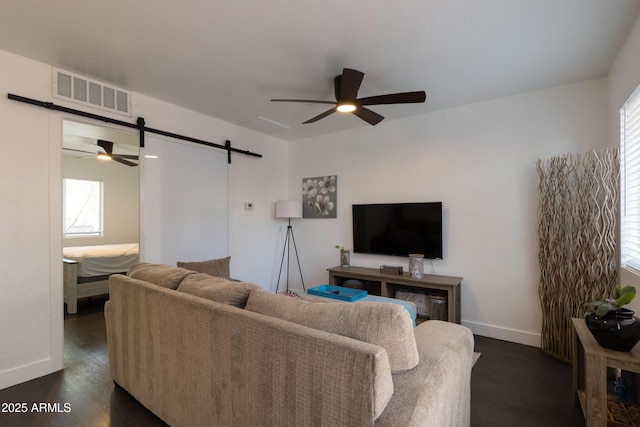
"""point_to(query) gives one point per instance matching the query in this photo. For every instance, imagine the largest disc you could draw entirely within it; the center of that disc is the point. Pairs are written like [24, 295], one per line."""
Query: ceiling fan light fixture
[346, 108]
[104, 156]
[346, 88]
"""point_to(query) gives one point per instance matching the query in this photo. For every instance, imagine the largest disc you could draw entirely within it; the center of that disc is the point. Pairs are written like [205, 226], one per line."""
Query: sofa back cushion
[159, 274]
[196, 362]
[379, 323]
[217, 289]
[212, 267]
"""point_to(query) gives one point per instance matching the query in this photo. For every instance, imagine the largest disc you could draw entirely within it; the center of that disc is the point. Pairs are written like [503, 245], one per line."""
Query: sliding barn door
[183, 202]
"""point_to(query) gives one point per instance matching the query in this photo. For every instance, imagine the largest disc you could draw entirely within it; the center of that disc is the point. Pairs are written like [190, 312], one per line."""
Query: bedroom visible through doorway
[101, 208]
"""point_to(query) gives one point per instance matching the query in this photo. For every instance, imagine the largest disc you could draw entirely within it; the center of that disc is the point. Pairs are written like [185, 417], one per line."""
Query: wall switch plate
[248, 206]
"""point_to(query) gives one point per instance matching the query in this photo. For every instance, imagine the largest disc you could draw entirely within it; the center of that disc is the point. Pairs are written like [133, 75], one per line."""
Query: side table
[590, 363]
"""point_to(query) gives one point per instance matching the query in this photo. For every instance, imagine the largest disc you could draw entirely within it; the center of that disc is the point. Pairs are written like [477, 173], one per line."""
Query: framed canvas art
[319, 197]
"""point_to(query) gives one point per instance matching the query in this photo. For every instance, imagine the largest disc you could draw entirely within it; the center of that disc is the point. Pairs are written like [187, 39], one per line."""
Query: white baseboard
[20, 374]
[505, 334]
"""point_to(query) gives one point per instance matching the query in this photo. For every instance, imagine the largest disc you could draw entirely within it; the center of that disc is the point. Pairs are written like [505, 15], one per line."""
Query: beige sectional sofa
[199, 350]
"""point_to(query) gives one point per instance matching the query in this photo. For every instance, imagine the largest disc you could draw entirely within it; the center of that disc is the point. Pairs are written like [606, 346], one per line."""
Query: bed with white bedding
[87, 269]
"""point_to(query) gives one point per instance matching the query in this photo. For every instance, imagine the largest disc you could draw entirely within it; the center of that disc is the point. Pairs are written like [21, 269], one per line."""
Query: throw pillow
[159, 274]
[383, 324]
[217, 289]
[212, 267]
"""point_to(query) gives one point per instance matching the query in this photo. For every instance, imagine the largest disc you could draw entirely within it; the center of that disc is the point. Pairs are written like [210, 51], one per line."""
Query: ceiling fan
[346, 88]
[105, 152]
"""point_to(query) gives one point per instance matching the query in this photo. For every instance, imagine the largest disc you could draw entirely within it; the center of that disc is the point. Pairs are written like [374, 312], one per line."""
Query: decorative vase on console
[416, 265]
[612, 326]
[345, 256]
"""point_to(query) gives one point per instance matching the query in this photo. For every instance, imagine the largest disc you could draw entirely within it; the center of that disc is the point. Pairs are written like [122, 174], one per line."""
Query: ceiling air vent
[82, 90]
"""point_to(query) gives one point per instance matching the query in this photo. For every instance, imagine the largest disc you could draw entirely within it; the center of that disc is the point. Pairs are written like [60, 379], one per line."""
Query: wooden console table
[386, 285]
[590, 363]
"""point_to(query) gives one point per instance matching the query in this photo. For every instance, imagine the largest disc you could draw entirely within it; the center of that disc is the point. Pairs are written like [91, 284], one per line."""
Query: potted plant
[345, 256]
[613, 326]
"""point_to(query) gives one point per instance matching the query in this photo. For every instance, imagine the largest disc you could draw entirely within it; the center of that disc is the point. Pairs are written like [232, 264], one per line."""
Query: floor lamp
[289, 209]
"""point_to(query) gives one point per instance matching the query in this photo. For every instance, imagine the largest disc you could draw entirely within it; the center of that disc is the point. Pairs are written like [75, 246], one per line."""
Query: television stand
[385, 285]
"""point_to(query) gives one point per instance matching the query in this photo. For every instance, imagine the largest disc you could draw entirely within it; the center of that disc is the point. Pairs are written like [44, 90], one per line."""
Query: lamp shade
[288, 209]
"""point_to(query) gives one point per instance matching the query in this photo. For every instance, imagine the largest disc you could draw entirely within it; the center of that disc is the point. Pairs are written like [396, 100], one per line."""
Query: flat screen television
[398, 229]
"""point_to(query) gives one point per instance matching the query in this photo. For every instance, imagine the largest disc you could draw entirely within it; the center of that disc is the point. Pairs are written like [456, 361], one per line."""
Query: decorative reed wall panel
[577, 240]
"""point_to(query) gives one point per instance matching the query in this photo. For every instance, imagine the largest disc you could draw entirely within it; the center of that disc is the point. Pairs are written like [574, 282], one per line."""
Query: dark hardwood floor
[511, 385]
[518, 385]
[85, 383]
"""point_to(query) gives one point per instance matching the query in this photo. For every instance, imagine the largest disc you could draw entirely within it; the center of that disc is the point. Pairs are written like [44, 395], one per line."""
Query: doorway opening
[101, 215]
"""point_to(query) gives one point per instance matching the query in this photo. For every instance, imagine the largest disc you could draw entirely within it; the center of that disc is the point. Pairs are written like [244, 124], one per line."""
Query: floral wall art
[319, 197]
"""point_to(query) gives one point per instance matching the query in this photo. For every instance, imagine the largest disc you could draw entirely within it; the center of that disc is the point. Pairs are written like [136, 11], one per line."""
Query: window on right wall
[630, 182]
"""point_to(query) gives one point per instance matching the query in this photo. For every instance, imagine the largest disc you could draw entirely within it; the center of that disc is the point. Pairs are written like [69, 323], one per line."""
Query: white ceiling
[228, 59]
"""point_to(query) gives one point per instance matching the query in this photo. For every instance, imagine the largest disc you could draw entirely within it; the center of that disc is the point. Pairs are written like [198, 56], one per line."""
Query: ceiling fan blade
[394, 98]
[314, 101]
[124, 162]
[368, 116]
[107, 145]
[350, 84]
[124, 156]
[79, 151]
[320, 116]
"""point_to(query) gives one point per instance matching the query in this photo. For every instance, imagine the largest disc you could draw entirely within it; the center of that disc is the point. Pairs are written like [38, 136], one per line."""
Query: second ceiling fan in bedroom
[346, 88]
[105, 151]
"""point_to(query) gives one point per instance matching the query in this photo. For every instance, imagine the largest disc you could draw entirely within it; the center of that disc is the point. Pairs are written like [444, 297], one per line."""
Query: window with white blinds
[83, 208]
[630, 182]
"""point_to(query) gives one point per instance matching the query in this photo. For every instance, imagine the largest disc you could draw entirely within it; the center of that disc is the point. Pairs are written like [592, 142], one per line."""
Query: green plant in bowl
[622, 296]
[613, 326]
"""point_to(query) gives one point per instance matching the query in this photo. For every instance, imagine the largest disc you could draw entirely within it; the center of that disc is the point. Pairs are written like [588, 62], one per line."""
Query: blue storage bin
[338, 292]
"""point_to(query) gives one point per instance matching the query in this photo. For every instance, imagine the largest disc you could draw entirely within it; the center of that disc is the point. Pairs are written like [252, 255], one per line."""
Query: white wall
[121, 185]
[479, 160]
[624, 78]
[31, 308]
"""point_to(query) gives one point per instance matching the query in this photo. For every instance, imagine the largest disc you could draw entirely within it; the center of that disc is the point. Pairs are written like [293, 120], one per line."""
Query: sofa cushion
[212, 267]
[217, 289]
[383, 324]
[159, 274]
